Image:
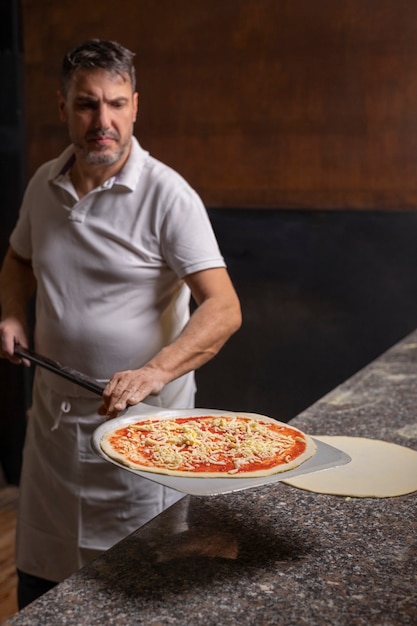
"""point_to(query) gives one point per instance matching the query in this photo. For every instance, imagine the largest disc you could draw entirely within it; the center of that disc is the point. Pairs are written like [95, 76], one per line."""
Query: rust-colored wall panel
[272, 103]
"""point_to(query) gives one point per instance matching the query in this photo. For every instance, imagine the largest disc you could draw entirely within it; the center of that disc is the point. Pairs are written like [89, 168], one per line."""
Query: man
[113, 242]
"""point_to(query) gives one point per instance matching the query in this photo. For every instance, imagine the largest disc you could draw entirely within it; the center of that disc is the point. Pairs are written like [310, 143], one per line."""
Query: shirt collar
[127, 177]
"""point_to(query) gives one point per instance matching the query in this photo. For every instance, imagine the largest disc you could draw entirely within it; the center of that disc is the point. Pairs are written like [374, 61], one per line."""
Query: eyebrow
[93, 99]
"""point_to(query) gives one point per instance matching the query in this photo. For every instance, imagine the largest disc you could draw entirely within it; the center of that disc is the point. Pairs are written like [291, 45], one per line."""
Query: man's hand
[129, 388]
[12, 331]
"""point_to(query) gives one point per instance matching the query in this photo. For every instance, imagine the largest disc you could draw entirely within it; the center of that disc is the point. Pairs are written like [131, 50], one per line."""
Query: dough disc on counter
[378, 469]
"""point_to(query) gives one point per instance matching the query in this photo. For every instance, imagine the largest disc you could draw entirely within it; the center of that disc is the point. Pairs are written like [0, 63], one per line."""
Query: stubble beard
[95, 157]
[101, 155]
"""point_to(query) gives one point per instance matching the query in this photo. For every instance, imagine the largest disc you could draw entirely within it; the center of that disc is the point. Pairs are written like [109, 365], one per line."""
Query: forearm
[17, 285]
[208, 329]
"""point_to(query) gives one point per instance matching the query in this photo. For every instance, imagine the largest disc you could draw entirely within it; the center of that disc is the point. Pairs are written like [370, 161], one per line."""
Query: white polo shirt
[110, 295]
[110, 265]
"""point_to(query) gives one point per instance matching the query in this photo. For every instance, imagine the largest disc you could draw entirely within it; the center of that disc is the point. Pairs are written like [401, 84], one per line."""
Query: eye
[86, 105]
[118, 104]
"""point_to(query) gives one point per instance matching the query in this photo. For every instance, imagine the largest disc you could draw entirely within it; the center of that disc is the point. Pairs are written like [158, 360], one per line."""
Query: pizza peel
[326, 456]
[92, 384]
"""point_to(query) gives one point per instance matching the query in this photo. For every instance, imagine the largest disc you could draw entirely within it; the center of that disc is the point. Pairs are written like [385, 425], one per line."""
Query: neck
[86, 177]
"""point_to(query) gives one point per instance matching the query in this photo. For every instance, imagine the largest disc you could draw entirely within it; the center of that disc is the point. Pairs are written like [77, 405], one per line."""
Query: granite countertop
[274, 554]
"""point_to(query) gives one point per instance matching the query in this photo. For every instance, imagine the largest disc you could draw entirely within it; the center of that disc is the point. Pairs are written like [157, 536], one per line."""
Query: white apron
[74, 505]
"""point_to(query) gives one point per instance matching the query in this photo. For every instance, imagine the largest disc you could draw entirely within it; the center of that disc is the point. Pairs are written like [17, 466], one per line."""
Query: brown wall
[259, 103]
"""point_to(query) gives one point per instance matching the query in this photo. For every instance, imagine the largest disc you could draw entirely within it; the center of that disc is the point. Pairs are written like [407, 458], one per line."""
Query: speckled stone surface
[271, 555]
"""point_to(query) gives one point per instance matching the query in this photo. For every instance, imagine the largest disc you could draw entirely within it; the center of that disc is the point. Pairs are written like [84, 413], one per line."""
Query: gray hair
[97, 54]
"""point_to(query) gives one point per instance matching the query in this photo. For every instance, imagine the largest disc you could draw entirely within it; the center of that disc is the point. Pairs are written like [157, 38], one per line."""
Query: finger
[14, 358]
[107, 411]
[135, 397]
[116, 404]
[119, 385]
[129, 397]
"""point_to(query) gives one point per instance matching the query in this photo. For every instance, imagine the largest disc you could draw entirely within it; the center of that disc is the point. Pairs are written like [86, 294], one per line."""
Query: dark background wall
[323, 293]
[12, 174]
[271, 103]
[296, 122]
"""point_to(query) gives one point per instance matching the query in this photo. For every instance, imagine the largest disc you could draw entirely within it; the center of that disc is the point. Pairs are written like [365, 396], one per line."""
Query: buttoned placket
[79, 211]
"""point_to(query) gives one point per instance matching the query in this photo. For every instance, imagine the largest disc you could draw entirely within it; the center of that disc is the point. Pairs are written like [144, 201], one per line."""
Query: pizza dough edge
[308, 453]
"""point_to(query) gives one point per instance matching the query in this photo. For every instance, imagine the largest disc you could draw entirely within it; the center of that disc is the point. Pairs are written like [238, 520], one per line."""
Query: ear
[62, 106]
[135, 105]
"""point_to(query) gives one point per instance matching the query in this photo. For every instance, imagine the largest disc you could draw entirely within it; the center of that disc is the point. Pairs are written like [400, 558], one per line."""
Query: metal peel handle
[92, 384]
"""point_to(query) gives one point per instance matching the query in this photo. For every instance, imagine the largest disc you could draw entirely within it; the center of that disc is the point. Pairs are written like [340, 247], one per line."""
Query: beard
[101, 155]
[97, 157]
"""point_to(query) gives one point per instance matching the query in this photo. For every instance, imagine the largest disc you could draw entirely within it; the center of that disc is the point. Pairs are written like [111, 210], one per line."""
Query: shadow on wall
[323, 293]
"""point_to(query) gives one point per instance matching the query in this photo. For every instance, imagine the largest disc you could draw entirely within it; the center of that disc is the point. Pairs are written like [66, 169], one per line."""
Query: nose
[102, 117]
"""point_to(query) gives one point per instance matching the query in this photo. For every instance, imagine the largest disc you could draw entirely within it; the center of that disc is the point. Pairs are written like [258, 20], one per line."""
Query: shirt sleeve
[188, 242]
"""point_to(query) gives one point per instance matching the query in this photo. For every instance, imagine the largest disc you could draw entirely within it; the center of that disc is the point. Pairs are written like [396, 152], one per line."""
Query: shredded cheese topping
[222, 443]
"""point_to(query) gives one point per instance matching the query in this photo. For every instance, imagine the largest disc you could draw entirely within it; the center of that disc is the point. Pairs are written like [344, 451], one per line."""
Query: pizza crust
[310, 450]
[378, 469]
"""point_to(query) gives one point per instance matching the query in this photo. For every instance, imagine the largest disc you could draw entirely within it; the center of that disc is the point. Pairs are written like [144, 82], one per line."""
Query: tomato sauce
[124, 438]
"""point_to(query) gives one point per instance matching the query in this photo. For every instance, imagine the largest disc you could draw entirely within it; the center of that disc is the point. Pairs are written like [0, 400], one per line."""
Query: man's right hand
[12, 331]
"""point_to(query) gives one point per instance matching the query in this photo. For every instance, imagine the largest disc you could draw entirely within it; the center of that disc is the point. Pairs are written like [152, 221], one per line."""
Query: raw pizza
[209, 446]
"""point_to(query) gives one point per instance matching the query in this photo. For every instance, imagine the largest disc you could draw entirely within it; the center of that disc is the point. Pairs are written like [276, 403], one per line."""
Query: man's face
[100, 110]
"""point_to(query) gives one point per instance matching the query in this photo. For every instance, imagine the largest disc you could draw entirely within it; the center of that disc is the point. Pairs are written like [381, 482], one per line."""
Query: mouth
[101, 139]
